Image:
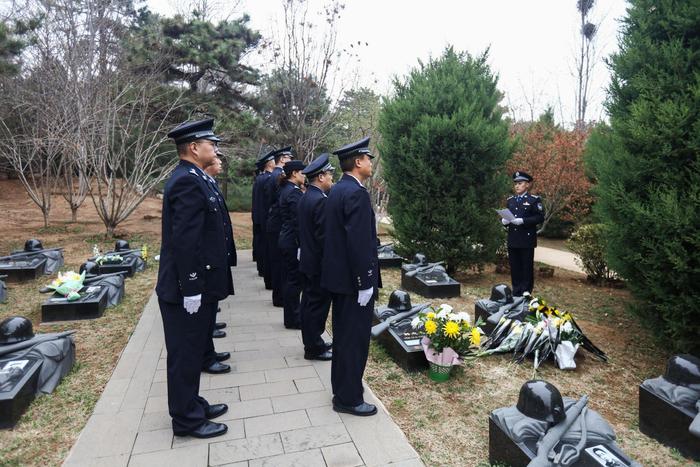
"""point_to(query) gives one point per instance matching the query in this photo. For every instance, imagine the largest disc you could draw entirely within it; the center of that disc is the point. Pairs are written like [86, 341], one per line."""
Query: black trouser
[315, 304]
[185, 340]
[522, 269]
[351, 331]
[256, 239]
[291, 287]
[258, 248]
[273, 263]
[264, 259]
[210, 352]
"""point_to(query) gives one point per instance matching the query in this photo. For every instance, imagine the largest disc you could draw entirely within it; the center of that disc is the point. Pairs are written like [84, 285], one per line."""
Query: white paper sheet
[506, 214]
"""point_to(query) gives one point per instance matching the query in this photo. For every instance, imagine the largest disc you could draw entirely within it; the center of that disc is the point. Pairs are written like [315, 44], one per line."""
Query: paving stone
[320, 416]
[159, 388]
[309, 384]
[108, 404]
[126, 365]
[120, 460]
[301, 401]
[378, 439]
[314, 437]
[162, 364]
[255, 345]
[261, 364]
[237, 379]
[235, 431]
[341, 455]
[285, 374]
[116, 387]
[221, 396]
[244, 449]
[108, 435]
[190, 456]
[156, 440]
[259, 391]
[289, 341]
[275, 423]
[205, 381]
[156, 404]
[296, 459]
[160, 376]
[246, 409]
[155, 421]
[137, 393]
[407, 463]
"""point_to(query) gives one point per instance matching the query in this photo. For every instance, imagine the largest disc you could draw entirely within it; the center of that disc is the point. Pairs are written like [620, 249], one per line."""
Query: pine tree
[444, 145]
[647, 169]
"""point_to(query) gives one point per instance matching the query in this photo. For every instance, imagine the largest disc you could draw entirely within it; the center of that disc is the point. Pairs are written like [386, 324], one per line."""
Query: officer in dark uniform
[315, 300]
[522, 233]
[288, 243]
[192, 277]
[211, 357]
[350, 272]
[259, 212]
[273, 225]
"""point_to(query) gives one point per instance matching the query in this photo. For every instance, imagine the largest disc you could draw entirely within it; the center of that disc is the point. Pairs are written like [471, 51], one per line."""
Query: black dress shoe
[278, 305]
[215, 410]
[362, 410]
[205, 430]
[217, 368]
[323, 356]
[218, 334]
[218, 310]
[293, 326]
[221, 356]
[219, 325]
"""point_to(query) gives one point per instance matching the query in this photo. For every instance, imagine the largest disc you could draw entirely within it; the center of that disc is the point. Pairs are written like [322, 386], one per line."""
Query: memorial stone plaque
[90, 305]
[20, 270]
[18, 385]
[388, 257]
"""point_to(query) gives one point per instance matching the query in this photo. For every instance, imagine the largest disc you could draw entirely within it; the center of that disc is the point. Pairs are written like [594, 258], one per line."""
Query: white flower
[446, 307]
[415, 323]
[452, 317]
[464, 316]
[567, 327]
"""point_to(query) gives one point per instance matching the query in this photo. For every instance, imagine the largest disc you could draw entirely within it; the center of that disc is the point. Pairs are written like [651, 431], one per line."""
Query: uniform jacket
[530, 209]
[228, 226]
[311, 218]
[260, 206]
[193, 257]
[289, 200]
[271, 191]
[350, 247]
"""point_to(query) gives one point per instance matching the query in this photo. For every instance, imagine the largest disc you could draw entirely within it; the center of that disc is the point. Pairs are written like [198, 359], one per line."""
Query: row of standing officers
[315, 245]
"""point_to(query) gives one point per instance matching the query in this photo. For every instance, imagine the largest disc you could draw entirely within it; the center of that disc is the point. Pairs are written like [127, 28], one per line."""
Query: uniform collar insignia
[194, 172]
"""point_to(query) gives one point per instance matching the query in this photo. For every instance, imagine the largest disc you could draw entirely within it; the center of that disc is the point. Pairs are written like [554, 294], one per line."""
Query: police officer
[273, 225]
[288, 243]
[315, 301]
[211, 357]
[522, 233]
[265, 165]
[350, 273]
[192, 277]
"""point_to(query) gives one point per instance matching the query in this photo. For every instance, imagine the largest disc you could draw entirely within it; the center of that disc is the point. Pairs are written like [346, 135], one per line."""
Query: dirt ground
[48, 429]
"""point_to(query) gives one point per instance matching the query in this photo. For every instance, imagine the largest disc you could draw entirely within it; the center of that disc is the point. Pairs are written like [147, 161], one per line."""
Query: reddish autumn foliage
[554, 158]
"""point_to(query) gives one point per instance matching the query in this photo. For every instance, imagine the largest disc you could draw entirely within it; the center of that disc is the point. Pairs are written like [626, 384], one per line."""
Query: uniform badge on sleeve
[369, 273]
[539, 207]
[193, 276]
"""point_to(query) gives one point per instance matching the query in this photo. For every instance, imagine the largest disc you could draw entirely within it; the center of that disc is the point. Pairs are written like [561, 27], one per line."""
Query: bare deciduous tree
[585, 59]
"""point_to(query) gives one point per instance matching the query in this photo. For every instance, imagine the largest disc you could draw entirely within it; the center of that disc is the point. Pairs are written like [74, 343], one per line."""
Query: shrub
[588, 243]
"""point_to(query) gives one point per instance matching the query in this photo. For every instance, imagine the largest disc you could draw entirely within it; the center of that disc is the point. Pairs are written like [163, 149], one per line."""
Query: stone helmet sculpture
[501, 293]
[15, 329]
[90, 267]
[33, 245]
[419, 259]
[121, 245]
[542, 401]
[399, 300]
[684, 370]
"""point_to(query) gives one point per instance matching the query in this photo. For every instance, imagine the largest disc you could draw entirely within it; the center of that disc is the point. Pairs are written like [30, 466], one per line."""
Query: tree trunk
[74, 214]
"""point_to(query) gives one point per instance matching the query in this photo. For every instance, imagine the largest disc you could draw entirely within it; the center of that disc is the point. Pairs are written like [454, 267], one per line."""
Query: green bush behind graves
[444, 145]
[588, 243]
[646, 166]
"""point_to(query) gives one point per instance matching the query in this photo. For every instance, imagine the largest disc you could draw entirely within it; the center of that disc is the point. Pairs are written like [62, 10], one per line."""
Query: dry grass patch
[447, 423]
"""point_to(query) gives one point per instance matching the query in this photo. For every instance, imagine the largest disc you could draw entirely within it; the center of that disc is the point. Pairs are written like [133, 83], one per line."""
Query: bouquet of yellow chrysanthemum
[449, 334]
[68, 284]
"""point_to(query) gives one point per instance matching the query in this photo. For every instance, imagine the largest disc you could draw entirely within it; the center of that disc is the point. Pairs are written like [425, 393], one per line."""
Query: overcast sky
[532, 42]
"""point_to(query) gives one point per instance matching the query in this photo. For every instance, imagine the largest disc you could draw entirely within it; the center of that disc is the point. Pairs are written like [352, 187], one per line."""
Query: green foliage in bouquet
[445, 328]
[444, 145]
[68, 284]
[588, 242]
[647, 166]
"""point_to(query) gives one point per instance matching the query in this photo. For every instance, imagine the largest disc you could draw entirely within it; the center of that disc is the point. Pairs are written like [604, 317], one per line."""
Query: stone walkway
[557, 258]
[279, 404]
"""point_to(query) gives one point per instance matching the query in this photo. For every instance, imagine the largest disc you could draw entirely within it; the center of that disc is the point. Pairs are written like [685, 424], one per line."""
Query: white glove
[505, 221]
[298, 254]
[192, 303]
[364, 296]
[517, 221]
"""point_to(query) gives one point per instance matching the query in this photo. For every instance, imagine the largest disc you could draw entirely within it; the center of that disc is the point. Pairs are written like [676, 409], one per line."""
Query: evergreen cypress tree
[444, 145]
[647, 168]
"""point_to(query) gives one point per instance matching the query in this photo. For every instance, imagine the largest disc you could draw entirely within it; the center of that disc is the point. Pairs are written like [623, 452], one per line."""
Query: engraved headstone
[388, 257]
[90, 305]
[428, 279]
[18, 385]
[21, 270]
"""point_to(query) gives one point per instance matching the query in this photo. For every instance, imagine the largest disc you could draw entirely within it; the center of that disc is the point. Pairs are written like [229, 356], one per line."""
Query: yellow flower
[430, 327]
[451, 329]
[556, 322]
[430, 315]
[475, 338]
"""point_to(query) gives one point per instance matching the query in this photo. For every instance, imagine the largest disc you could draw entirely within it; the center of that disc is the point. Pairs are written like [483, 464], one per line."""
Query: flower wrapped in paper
[68, 284]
